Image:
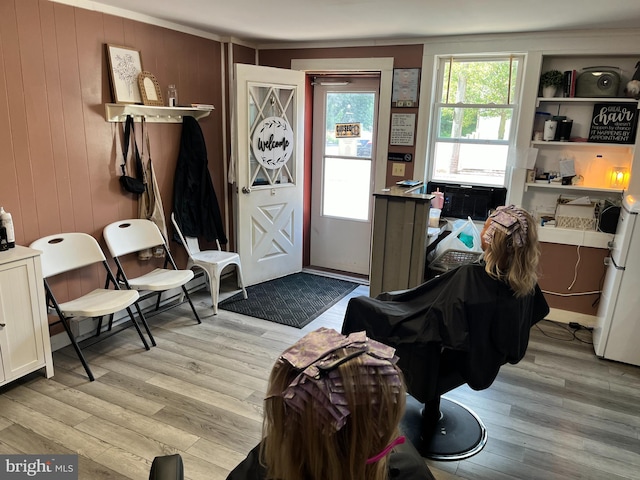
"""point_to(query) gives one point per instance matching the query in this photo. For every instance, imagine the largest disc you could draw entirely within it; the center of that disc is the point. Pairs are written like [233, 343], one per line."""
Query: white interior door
[343, 173]
[269, 162]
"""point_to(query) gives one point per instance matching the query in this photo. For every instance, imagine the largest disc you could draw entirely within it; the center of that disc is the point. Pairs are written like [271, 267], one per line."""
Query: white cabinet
[24, 330]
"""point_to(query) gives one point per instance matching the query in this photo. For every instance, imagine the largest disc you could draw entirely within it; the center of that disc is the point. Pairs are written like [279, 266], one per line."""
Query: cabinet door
[2, 375]
[21, 337]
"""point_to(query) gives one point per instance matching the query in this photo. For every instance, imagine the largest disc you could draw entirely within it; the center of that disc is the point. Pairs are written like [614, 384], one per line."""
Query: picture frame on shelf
[150, 89]
[125, 64]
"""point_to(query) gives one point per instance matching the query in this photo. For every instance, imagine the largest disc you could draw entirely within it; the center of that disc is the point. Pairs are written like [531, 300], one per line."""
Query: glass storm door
[344, 130]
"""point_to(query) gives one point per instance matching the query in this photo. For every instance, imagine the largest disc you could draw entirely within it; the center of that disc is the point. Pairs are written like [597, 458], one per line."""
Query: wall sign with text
[614, 123]
[272, 142]
[348, 130]
[403, 126]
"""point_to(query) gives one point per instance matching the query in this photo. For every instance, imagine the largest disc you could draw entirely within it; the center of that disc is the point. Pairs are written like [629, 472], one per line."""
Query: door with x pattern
[269, 156]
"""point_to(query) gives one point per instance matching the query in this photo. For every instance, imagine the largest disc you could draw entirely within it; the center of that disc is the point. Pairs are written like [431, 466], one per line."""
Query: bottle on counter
[3, 239]
[7, 222]
[172, 95]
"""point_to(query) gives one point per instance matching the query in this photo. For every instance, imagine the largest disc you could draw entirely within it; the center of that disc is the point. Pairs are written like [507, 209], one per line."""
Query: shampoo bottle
[7, 223]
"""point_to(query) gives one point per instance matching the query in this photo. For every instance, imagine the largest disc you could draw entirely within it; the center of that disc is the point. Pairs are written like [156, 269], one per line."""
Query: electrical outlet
[398, 170]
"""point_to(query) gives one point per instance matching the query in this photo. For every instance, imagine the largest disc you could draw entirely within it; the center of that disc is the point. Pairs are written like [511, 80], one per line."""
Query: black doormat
[293, 300]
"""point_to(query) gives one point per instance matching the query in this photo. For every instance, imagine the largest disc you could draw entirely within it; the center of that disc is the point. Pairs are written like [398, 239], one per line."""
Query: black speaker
[608, 221]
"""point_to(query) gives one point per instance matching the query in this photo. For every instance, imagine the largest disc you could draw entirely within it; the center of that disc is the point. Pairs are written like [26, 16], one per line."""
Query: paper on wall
[567, 168]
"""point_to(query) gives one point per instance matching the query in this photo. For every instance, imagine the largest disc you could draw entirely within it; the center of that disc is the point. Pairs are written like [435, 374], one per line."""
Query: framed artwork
[124, 67]
[150, 89]
[405, 87]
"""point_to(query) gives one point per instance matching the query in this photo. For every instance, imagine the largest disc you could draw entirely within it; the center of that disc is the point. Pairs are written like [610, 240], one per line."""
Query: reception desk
[400, 240]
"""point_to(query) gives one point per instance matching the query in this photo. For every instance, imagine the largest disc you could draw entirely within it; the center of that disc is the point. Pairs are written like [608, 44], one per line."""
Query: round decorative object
[549, 91]
[272, 142]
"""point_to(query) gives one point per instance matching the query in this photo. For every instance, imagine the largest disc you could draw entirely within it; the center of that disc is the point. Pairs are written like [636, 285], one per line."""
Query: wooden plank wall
[58, 165]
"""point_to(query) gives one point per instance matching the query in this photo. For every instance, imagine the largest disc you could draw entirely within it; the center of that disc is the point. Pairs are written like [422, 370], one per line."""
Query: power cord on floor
[572, 329]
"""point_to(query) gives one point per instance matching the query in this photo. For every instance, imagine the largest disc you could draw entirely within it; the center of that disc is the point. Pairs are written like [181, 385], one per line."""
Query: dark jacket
[405, 463]
[194, 200]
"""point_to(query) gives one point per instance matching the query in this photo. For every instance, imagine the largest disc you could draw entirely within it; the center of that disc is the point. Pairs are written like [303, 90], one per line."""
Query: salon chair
[167, 467]
[458, 328]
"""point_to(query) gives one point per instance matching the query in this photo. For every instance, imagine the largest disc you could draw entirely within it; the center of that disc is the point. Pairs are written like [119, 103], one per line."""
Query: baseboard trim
[567, 316]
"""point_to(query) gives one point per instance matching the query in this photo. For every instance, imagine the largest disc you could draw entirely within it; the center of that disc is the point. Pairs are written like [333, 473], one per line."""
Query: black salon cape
[405, 463]
[194, 200]
[465, 310]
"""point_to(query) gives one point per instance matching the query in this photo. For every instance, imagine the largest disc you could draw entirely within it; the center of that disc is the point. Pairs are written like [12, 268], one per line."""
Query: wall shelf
[570, 236]
[559, 186]
[540, 100]
[544, 143]
[117, 112]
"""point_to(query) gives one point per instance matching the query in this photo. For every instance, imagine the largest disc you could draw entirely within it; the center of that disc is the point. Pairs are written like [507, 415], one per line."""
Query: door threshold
[328, 272]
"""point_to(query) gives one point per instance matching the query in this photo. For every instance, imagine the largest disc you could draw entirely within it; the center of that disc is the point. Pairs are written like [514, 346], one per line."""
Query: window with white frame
[476, 104]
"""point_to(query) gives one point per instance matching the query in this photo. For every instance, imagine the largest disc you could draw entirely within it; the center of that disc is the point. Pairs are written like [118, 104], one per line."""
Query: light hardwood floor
[561, 413]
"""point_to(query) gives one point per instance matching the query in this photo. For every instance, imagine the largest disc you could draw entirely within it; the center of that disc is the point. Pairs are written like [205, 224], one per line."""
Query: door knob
[246, 190]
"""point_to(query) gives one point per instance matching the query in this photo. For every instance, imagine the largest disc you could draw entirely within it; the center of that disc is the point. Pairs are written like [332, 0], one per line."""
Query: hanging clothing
[150, 203]
[194, 199]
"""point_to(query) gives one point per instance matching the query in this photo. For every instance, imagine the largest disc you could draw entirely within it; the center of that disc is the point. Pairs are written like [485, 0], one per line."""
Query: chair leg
[76, 347]
[135, 324]
[110, 322]
[145, 324]
[98, 330]
[186, 294]
[241, 280]
[215, 292]
[158, 300]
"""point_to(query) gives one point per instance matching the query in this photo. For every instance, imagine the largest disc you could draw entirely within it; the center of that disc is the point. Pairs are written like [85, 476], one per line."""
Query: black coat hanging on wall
[194, 199]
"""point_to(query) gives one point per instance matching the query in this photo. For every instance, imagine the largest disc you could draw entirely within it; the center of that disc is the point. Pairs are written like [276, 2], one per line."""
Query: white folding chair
[73, 251]
[213, 262]
[130, 236]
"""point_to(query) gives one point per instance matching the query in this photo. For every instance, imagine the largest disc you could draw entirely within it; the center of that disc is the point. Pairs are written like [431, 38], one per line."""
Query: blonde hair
[516, 265]
[294, 447]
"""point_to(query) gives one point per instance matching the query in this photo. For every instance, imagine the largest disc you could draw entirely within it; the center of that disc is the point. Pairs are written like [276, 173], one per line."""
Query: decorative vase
[548, 92]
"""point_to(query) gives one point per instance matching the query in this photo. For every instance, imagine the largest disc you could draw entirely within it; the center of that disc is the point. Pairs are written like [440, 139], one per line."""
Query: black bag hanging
[135, 184]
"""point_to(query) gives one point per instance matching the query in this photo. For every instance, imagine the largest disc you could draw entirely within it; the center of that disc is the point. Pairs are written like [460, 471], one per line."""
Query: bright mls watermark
[51, 467]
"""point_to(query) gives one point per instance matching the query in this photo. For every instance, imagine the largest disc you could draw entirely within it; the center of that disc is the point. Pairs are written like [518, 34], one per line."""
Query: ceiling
[274, 21]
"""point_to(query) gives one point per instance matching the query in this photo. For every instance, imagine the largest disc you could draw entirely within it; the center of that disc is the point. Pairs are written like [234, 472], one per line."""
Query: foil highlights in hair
[319, 385]
[511, 221]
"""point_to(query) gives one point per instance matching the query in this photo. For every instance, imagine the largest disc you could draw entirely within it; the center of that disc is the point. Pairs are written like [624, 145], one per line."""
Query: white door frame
[384, 65]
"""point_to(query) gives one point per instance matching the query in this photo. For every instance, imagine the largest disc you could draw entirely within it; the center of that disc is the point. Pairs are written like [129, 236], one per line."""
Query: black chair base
[459, 433]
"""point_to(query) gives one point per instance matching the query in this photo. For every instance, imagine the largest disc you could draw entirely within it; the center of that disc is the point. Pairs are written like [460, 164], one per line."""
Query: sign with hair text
[614, 122]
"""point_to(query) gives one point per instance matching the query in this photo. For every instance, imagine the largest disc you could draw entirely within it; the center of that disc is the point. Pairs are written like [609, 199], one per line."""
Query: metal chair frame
[212, 262]
[67, 252]
[125, 237]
